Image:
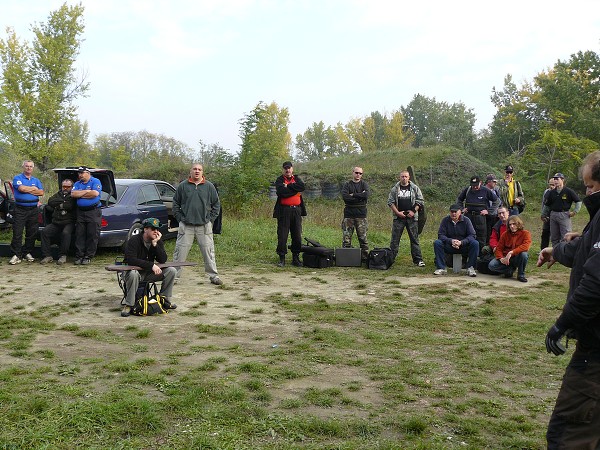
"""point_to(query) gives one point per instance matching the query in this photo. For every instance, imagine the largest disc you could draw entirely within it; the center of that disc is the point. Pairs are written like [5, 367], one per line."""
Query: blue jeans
[518, 262]
[440, 249]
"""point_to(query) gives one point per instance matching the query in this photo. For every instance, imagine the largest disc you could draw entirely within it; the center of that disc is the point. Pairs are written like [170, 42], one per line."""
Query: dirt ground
[87, 299]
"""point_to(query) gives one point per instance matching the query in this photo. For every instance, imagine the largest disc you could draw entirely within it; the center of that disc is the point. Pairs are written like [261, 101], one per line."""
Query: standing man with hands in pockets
[575, 421]
[196, 205]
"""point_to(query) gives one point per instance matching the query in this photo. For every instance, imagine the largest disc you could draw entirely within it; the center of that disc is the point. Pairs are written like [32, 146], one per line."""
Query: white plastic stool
[456, 262]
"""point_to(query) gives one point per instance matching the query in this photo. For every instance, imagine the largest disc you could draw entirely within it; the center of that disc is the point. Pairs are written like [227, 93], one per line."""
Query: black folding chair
[148, 288]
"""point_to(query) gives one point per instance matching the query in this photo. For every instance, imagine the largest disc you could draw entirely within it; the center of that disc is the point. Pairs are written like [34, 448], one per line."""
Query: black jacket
[63, 208]
[581, 312]
[136, 253]
[289, 191]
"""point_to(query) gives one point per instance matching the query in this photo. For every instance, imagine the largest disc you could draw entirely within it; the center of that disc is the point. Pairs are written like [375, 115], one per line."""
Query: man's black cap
[456, 207]
[287, 165]
[83, 169]
[509, 169]
[475, 180]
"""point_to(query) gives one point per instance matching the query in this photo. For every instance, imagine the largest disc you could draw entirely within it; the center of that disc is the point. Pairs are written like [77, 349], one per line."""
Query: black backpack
[380, 259]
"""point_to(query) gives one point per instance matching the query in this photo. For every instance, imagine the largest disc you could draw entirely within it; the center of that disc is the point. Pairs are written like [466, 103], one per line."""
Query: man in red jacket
[512, 250]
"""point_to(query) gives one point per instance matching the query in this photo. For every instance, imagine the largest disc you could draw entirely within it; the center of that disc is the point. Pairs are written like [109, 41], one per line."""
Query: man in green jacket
[196, 205]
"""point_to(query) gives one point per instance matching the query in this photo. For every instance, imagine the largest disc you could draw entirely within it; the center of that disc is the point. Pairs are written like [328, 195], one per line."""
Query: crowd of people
[482, 224]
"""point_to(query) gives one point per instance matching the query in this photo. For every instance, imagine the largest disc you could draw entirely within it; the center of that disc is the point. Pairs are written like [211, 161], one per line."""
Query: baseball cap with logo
[475, 180]
[83, 169]
[509, 169]
[151, 222]
[559, 175]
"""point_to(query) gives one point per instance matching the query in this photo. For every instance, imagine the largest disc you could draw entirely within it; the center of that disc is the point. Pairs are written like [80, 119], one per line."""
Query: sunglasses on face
[358, 173]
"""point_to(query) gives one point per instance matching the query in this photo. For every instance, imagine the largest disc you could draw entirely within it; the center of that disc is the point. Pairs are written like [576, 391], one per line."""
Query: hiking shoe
[471, 272]
[440, 272]
[61, 260]
[216, 280]
[126, 311]
[77, 261]
[85, 261]
[170, 305]
[14, 260]
[522, 278]
[29, 258]
[46, 260]
[420, 264]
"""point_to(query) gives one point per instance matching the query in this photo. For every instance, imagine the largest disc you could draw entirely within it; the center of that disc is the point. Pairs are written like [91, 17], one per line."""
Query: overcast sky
[191, 69]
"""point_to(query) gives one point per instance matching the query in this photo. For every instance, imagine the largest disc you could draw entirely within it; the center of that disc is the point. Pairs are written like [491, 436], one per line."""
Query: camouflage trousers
[349, 224]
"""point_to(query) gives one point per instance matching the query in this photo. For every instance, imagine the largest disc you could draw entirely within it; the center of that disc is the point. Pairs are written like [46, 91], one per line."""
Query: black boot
[296, 260]
[281, 262]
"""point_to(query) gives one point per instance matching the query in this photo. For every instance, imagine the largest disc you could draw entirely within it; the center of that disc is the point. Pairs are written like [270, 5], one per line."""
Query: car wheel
[135, 229]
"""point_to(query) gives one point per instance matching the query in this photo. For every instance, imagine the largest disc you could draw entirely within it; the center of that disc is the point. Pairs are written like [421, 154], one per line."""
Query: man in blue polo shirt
[28, 190]
[89, 216]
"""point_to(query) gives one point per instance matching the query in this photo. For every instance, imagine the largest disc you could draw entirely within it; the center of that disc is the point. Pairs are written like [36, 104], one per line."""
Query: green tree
[432, 122]
[570, 92]
[517, 119]
[39, 86]
[265, 138]
[313, 143]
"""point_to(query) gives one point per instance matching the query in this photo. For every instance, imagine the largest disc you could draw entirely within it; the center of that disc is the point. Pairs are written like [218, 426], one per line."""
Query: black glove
[553, 341]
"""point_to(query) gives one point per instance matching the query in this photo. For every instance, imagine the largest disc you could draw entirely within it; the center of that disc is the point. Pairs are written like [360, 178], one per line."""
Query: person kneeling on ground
[511, 252]
[143, 250]
[455, 235]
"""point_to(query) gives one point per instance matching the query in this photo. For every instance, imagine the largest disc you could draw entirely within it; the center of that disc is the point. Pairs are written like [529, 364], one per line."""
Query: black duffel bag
[380, 259]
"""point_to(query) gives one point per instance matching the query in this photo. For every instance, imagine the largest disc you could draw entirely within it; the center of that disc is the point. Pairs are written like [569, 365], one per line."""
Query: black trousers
[490, 220]
[480, 225]
[545, 235]
[289, 222]
[575, 421]
[53, 231]
[87, 233]
[25, 218]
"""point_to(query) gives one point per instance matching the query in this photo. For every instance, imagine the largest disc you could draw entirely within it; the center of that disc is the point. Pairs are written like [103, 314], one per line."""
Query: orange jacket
[518, 242]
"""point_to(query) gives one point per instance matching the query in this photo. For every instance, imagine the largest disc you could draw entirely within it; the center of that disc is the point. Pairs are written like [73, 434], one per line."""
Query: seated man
[63, 223]
[456, 235]
[511, 252]
[142, 250]
[499, 227]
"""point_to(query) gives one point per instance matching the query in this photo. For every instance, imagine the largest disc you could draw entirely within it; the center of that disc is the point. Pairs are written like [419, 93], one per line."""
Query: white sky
[191, 69]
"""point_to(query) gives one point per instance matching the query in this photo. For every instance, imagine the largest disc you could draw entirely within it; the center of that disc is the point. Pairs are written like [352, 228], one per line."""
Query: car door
[149, 204]
[167, 192]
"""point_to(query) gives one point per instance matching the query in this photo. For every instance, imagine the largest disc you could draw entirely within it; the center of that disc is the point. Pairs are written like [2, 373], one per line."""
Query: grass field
[363, 359]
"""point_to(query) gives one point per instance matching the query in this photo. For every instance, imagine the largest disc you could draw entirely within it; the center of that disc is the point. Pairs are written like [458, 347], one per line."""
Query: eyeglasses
[358, 173]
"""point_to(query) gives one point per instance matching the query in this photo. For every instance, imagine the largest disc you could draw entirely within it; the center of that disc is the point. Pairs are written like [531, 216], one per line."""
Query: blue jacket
[462, 230]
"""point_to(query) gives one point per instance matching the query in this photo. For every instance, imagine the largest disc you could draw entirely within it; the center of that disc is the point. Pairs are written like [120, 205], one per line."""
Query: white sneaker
[440, 272]
[471, 272]
[14, 260]
[421, 264]
[29, 258]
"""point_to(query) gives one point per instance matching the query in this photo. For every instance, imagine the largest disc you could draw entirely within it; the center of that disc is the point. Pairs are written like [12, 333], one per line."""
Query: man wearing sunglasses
[63, 222]
[355, 193]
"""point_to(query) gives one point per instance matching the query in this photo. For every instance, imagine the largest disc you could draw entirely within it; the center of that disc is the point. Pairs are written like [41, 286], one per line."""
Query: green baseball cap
[151, 222]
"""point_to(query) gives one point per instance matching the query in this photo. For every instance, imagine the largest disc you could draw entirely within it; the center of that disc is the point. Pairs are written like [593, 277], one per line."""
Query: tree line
[544, 125]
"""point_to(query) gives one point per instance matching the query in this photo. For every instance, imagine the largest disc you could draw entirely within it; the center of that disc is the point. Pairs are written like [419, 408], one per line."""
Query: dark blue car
[126, 203]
